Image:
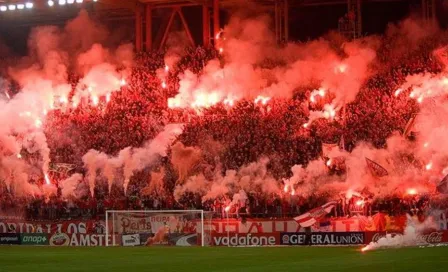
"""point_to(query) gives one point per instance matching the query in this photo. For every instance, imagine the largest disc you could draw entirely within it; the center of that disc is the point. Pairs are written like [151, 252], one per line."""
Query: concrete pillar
[216, 21]
[138, 28]
[205, 25]
[286, 17]
[148, 30]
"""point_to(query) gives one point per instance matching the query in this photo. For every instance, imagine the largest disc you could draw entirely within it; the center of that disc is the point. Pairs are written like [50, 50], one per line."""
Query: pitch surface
[19, 259]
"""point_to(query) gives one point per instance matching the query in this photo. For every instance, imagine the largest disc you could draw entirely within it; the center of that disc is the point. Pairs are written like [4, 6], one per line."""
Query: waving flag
[442, 55]
[443, 186]
[410, 126]
[311, 217]
[376, 169]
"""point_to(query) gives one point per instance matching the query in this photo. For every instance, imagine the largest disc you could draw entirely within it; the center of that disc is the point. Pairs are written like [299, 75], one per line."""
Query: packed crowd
[139, 111]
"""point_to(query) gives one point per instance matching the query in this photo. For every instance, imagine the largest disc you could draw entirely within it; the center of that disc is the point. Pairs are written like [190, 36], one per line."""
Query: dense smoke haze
[326, 80]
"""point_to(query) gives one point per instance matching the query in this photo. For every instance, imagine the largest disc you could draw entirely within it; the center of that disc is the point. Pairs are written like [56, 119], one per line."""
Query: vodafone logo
[245, 240]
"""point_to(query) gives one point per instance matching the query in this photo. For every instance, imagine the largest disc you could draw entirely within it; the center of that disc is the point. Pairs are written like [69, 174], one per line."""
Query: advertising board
[34, 239]
[323, 238]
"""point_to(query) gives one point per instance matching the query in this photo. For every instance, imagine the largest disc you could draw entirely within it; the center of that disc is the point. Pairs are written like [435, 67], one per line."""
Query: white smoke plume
[414, 229]
[43, 76]
[184, 159]
[129, 160]
[70, 185]
[401, 178]
[156, 185]
[253, 177]
[43, 80]
[249, 44]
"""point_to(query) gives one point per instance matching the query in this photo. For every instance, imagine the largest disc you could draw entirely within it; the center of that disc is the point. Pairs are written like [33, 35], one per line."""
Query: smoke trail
[249, 43]
[252, 177]
[129, 160]
[42, 77]
[413, 230]
[184, 159]
[69, 186]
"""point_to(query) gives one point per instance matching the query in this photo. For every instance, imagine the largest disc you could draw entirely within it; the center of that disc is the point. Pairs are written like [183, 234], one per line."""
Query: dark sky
[305, 22]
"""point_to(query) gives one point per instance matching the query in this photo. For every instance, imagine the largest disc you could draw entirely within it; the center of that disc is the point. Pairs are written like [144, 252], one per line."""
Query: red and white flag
[376, 169]
[311, 217]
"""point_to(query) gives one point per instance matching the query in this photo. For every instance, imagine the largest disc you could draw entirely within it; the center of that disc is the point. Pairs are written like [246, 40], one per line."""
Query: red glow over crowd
[247, 130]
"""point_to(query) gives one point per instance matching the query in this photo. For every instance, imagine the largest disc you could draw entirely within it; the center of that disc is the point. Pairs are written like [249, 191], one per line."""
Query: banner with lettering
[322, 238]
[431, 237]
[65, 226]
[247, 239]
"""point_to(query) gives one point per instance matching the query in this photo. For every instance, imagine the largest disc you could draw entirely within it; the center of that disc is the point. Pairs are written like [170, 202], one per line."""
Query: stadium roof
[121, 9]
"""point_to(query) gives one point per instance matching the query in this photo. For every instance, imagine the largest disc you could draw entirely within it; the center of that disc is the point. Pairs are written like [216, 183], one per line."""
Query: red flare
[322, 92]
[38, 123]
[262, 99]
[95, 100]
[63, 100]
[412, 191]
[47, 179]
[229, 102]
[342, 68]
